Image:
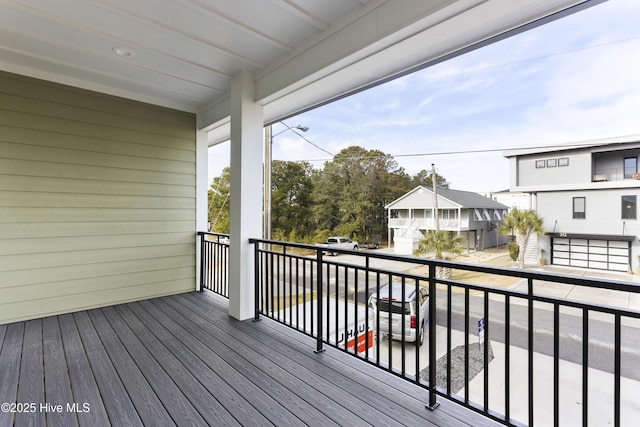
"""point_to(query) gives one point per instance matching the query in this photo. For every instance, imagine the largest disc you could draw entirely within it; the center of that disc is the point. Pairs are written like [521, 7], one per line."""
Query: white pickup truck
[338, 242]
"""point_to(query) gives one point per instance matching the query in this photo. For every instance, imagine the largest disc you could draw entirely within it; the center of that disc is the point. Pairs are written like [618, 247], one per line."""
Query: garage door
[591, 253]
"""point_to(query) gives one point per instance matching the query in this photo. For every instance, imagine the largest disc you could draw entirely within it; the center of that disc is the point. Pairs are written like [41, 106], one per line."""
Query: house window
[449, 214]
[630, 166]
[579, 208]
[477, 215]
[563, 161]
[629, 207]
[539, 164]
[552, 163]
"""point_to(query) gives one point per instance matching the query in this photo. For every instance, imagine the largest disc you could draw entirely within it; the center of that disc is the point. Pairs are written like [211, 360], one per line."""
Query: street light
[268, 142]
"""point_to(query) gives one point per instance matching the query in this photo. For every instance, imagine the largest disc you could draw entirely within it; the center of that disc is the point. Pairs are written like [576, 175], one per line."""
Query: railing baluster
[507, 357]
[466, 345]
[419, 329]
[403, 326]
[530, 346]
[389, 327]
[319, 347]
[486, 350]
[585, 367]
[304, 295]
[256, 284]
[202, 262]
[617, 369]
[449, 327]
[336, 310]
[433, 404]
[378, 334]
[556, 364]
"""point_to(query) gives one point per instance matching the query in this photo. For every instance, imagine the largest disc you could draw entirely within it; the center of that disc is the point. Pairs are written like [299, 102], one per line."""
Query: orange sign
[362, 342]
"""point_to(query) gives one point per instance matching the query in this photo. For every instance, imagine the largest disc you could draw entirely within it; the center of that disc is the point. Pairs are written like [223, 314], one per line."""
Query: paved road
[601, 329]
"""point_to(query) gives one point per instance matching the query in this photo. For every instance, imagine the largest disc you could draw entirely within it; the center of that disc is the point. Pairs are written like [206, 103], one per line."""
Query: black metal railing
[520, 355]
[214, 266]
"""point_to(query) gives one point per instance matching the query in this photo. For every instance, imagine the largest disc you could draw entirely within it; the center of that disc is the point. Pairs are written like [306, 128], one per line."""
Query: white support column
[202, 191]
[246, 192]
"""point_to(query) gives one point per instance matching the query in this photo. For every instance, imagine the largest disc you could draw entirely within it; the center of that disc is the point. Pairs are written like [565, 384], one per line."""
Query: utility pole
[436, 216]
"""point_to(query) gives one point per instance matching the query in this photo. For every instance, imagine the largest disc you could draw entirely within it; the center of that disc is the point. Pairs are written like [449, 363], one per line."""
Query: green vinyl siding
[97, 199]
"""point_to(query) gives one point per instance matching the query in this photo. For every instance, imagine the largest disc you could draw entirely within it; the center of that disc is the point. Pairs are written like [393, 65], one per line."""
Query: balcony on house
[615, 166]
[563, 344]
[317, 355]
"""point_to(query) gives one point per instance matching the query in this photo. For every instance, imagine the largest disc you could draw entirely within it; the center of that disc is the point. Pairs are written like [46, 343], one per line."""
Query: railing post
[319, 322]
[256, 280]
[201, 284]
[530, 346]
[432, 338]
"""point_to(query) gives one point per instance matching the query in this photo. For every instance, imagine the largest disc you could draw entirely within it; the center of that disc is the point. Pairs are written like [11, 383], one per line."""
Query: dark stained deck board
[31, 384]
[263, 379]
[56, 376]
[249, 393]
[178, 407]
[200, 397]
[368, 393]
[118, 405]
[149, 407]
[309, 405]
[360, 402]
[182, 360]
[10, 357]
[81, 377]
[223, 398]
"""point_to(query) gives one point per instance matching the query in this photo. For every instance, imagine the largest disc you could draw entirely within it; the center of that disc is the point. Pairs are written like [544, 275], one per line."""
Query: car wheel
[355, 248]
[421, 333]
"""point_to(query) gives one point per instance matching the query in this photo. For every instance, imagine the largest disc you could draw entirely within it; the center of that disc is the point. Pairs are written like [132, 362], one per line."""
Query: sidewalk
[601, 409]
[606, 297]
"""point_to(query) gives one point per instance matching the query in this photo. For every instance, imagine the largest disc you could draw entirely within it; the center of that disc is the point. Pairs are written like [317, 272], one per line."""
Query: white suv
[393, 308]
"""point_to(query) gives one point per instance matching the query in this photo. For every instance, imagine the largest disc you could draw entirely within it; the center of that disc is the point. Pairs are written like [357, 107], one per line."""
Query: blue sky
[573, 80]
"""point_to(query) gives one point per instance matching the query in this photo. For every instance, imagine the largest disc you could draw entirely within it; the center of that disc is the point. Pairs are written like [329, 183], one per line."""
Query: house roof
[609, 144]
[422, 197]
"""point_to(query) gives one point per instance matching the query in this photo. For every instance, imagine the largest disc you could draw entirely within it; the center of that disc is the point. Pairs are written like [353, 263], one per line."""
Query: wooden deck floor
[183, 361]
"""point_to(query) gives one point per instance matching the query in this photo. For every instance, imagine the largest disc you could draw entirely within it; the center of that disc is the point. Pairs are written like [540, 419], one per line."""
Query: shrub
[514, 250]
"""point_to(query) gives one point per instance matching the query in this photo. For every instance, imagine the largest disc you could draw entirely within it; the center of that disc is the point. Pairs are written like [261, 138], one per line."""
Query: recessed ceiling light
[123, 52]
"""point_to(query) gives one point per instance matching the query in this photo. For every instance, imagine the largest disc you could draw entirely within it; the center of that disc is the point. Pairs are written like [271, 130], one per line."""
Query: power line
[475, 151]
[306, 139]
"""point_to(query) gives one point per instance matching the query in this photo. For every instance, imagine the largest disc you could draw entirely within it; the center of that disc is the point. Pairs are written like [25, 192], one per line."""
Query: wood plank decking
[181, 360]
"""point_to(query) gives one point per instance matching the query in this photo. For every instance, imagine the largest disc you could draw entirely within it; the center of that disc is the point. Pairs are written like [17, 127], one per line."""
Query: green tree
[219, 202]
[424, 178]
[352, 190]
[291, 190]
[442, 244]
[521, 224]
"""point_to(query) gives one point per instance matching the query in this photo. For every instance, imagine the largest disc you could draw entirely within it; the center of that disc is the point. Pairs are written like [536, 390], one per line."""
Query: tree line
[346, 197]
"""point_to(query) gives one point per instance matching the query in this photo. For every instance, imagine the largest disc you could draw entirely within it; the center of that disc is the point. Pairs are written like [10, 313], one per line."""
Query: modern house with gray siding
[471, 215]
[587, 195]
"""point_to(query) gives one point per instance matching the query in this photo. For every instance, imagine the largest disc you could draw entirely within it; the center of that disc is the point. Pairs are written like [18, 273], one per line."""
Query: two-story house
[469, 214]
[587, 195]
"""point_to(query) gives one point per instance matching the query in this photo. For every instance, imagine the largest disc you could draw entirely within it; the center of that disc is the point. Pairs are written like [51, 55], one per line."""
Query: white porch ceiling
[302, 52]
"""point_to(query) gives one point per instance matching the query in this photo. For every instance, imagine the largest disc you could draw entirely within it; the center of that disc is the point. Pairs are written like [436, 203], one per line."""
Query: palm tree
[522, 224]
[443, 244]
